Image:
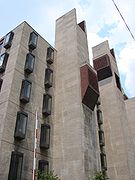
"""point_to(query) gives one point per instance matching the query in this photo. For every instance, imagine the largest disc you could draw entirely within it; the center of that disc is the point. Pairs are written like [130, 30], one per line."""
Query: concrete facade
[118, 139]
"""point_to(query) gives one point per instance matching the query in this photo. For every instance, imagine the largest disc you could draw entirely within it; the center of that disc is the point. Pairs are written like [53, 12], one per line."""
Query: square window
[47, 104]
[43, 166]
[21, 125]
[1, 81]
[48, 78]
[45, 136]
[29, 64]
[3, 62]
[33, 40]
[16, 162]
[50, 55]
[8, 40]
[25, 91]
[99, 117]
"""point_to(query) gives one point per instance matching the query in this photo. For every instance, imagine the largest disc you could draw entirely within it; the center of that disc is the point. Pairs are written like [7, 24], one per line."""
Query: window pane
[45, 136]
[34, 38]
[29, 65]
[1, 59]
[25, 91]
[43, 165]
[7, 38]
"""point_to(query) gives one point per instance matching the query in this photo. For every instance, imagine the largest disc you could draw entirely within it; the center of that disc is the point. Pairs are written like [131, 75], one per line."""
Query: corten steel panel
[101, 62]
[89, 86]
[103, 67]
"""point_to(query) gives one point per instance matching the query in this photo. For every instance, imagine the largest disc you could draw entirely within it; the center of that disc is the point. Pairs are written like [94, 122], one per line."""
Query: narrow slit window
[101, 138]
[29, 64]
[48, 78]
[21, 125]
[16, 162]
[99, 117]
[25, 91]
[33, 40]
[8, 40]
[1, 81]
[45, 136]
[103, 161]
[3, 62]
[47, 104]
[50, 55]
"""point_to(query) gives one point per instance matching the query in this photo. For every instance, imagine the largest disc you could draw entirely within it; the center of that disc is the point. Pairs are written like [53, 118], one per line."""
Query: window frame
[42, 165]
[103, 161]
[48, 78]
[45, 110]
[101, 138]
[50, 55]
[45, 136]
[23, 97]
[14, 169]
[20, 135]
[4, 63]
[99, 116]
[10, 39]
[28, 68]
[33, 45]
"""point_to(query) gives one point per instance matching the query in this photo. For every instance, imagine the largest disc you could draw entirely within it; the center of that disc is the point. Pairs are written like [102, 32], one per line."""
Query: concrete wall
[9, 98]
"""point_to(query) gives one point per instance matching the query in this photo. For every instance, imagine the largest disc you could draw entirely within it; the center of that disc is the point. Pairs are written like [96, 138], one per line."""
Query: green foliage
[99, 176]
[47, 176]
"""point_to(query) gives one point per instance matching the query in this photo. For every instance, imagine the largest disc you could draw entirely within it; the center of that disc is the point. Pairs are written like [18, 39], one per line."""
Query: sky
[102, 20]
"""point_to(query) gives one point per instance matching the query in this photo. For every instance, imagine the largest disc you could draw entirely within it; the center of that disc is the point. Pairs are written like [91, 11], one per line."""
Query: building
[69, 97]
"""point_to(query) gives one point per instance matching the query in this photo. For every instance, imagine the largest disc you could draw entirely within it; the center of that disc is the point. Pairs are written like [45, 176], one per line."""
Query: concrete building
[72, 102]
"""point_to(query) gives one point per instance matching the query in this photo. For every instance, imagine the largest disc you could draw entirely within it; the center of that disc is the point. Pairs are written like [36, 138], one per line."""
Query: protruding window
[47, 104]
[25, 91]
[103, 162]
[16, 162]
[29, 64]
[3, 62]
[50, 55]
[8, 40]
[33, 40]
[101, 138]
[43, 166]
[118, 81]
[99, 117]
[45, 136]
[1, 81]
[48, 78]
[21, 124]
[1, 44]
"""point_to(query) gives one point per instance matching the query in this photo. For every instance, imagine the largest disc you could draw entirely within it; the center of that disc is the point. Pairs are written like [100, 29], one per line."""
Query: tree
[47, 176]
[99, 176]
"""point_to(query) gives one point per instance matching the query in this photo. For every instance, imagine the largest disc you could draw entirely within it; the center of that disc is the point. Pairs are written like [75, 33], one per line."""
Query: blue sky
[102, 20]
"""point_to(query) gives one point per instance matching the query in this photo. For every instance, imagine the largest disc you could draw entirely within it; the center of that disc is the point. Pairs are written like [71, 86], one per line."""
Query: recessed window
[99, 117]
[1, 81]
[101, 138]
[43, 166]
[47, 104]
[45, 136]
[8, 40]
[48, 78]
[118, 81]
[1, 44]
[25, 91]
[21, 124]
[50, 55]
[103, 161]
[29, 64]
[33, 40]
[16, 162]
[3, 62]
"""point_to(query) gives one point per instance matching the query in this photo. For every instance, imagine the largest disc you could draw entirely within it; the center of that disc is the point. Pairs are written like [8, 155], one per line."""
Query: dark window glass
[3, 62]
[50, 55]
[43, 165]
[103, 161]
[47, 104]
[21, 124]
[15, 166]
[8, 40]
[25, 91]
[33, 40]
[48, 78]
[99, 117]
[1, 45]
[1, 81]
[29, 64]
[45, 136]
[101, 138]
